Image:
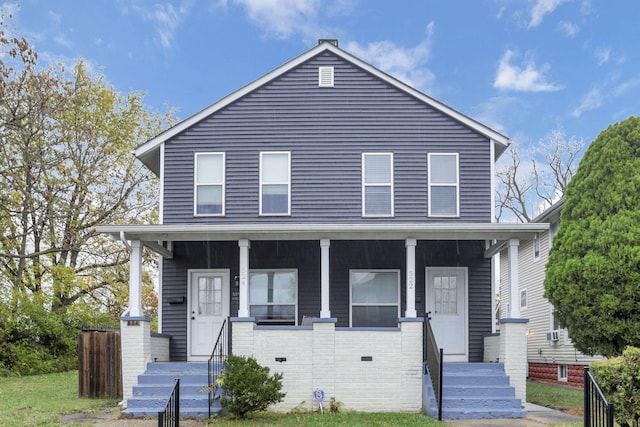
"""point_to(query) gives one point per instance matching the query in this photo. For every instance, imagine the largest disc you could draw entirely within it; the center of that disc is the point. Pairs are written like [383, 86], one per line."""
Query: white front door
[208, 307]
[446, 300]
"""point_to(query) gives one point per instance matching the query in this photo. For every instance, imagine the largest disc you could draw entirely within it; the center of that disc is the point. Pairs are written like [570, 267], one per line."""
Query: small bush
[247, 387]
[619, 379]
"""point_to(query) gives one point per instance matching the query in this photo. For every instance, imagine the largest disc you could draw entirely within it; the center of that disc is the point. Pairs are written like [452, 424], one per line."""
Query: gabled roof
[149, 152]
[551, 212]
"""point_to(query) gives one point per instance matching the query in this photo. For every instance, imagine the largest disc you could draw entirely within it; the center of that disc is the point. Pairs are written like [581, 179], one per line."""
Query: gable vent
[325, 76]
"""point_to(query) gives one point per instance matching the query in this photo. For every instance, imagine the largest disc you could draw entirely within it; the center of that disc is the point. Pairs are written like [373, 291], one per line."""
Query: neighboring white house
[551, 355]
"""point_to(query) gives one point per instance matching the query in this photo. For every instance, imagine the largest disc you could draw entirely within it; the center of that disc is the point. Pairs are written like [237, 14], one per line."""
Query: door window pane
[445, 294]
[210, 296]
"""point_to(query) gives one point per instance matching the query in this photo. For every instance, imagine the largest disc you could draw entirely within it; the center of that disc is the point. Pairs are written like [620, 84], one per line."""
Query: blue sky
[523, 67]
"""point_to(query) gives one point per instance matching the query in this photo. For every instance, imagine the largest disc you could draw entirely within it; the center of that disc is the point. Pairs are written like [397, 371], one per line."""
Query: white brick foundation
[366, 369]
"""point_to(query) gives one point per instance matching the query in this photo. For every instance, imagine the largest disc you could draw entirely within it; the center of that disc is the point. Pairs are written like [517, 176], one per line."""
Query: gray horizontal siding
[326, 130]
[344, 255]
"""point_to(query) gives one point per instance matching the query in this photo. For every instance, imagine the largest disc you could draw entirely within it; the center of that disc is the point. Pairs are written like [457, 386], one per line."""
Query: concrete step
[476, 391]
[454, 414]
[155, 385]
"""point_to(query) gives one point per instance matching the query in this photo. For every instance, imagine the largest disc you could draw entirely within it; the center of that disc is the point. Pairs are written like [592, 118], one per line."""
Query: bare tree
[527, 187]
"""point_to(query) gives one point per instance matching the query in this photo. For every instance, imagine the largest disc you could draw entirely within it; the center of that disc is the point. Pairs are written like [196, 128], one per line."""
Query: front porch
[368, 368]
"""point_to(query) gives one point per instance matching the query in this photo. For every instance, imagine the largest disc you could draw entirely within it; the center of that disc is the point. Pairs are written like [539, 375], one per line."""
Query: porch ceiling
[311, 231]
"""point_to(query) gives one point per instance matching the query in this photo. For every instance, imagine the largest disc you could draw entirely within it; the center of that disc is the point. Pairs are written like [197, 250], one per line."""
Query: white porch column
[514, 292]
[410, 244]
[135, 279]
[243, 309]
[325, 313]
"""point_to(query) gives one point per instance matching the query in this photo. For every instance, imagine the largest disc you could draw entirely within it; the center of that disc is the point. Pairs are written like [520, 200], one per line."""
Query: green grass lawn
[344, 418]
[40, 400]
[564, 398]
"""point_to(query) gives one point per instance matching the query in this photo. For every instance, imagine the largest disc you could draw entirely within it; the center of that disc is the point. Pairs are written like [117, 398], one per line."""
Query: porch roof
[317, 231]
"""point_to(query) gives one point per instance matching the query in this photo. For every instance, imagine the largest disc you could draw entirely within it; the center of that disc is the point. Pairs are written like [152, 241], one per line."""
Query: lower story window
[375, 296]
[563, 373]
[273, 296]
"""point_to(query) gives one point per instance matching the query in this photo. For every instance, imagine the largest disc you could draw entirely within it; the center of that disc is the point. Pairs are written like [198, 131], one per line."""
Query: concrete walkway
[537, 416]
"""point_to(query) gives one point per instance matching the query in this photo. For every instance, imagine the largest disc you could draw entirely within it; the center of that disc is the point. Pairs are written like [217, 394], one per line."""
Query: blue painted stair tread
[474, 391]
[154, 386]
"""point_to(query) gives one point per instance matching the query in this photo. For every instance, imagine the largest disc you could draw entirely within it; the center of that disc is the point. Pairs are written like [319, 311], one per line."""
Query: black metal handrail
[598, 412]
[433, 357]
[170, 416]
[217, 359]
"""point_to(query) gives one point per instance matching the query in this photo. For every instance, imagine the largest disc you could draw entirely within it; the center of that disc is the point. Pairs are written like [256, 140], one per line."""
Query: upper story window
[377, 184]
[275, 183]
[209, 184]
[443, 185]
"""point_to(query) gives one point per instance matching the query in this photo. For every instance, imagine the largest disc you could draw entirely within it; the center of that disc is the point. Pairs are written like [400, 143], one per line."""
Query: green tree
[66, 137]
[593, 273]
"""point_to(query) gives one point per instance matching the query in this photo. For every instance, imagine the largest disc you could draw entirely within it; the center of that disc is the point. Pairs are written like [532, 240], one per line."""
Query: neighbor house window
[273, 295]
[375, 296]
[443, 184]
[523, 298]
[275, 183]
[209, 183]
[377, 184]
[536, 246]
[563, 373]
[553, 230]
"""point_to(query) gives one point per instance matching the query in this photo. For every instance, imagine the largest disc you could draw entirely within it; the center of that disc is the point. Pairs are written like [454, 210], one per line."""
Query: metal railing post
[587, 398]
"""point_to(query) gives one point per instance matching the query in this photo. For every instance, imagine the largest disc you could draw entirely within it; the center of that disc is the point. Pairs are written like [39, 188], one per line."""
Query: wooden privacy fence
[99, 366]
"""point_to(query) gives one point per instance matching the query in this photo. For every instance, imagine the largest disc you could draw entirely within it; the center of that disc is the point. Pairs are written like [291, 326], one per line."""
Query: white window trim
[457, 184]
[275, 270]
[372, 270]
[196, 183]
[390, 185]
[288, 183]
[537, 240]
[526, 302]
[562, 378]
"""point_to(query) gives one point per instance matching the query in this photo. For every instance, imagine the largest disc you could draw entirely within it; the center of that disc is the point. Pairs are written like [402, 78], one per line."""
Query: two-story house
[324, 208]
[551, 355]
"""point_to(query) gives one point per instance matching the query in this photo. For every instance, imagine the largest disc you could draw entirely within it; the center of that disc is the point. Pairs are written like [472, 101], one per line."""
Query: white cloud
[282, 18]
[406, 64]
[56, 18]
[603, 55]
[591, 101]
[542, 8]
[569, 29]
[625, 87]
[525, 77]
[167, 19]
[494, 111]
[64, 41]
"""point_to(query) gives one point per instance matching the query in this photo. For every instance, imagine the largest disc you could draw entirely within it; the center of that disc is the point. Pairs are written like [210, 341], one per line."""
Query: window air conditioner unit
[553, 336]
